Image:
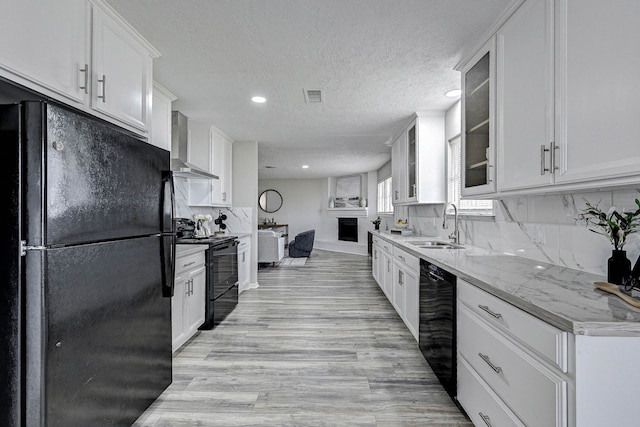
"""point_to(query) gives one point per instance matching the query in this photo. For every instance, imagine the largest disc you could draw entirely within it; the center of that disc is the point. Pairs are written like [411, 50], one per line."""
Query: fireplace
[348, 229]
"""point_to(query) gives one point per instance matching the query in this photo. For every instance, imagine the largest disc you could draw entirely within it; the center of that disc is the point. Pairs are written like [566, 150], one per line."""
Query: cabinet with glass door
[478, 123]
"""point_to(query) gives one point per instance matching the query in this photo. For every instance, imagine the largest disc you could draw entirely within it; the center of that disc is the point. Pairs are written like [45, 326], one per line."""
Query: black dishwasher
[437, 336]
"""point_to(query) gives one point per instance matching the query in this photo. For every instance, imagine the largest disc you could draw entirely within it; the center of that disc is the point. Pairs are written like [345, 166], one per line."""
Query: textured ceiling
[376, 61]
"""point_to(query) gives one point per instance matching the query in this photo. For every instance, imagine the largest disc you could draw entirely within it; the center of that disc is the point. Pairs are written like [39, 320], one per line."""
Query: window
[385, 200]
[454, 184]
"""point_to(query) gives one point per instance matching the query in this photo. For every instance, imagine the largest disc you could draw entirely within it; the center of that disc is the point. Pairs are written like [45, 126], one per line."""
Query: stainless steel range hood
[179, 140]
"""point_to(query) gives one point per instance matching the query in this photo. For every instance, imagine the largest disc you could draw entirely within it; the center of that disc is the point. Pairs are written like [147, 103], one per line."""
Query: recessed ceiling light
[259, 99]
[453, 93]
[305, 166]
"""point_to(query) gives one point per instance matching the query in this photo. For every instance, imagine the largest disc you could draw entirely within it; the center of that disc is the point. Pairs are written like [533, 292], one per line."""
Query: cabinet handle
[400, 278]
[413, 190]
[552, 153]
[396, 194]
[188, 264]
[543, 168]
[85, 70]
[485, 418]
[484, 357]
[488, 310]
[402, 258]
[388, 266]
[104, 88]
[224, 196]
[244, 256]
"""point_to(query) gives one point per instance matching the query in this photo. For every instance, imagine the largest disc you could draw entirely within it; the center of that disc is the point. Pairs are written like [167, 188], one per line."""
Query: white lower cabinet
[517, 375]
[406, 288]
[397, 272]
[244, 262]
[188, 301]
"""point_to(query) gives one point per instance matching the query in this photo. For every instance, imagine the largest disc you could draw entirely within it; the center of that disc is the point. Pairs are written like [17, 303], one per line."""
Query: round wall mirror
[270, 201]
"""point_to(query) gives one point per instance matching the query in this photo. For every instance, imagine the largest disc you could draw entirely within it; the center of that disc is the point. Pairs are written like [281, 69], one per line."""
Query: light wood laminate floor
[318, 345]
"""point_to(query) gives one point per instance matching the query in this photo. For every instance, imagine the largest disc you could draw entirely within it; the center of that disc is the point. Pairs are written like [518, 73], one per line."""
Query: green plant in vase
[615, 226]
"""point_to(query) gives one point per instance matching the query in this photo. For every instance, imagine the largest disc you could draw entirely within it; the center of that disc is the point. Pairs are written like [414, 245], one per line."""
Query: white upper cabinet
[418, 161]
[82, 53]
[478, 123]
[122, 72]
[210, 150]
[46, 44]
[525, 96]
[161, 118]
[567, 92]
[597, 90]
[398, 168]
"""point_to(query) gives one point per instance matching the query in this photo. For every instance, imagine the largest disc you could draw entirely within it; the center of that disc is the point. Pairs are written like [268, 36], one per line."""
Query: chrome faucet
[455, 236]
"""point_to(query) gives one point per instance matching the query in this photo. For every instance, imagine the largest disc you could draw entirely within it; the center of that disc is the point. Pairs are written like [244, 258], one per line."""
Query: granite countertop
[563, 297]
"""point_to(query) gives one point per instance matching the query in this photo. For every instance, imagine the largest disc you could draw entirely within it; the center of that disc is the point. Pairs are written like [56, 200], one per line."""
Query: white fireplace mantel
[348, 212]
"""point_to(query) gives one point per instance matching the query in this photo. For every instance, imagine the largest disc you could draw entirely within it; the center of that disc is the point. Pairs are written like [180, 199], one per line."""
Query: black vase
[618, 267]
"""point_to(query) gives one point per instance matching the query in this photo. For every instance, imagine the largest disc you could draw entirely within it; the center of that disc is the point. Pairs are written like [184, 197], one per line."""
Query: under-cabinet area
[536, 343]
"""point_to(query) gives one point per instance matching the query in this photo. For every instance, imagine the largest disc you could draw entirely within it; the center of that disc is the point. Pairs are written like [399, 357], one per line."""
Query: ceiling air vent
[312, 95]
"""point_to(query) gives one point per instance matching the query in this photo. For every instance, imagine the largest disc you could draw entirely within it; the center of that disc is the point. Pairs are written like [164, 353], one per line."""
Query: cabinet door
[411, 186]
[161, 118]
[387, 274]
[200, 154]
[47, 43]
[525, 96]
[397, 292]
[399, 169]
[597, 90]
[177, 313]
[244, 264]
[412, 302]
[221, 166]
[195, 301]
[122, 70]
[478, 122]
[376, 261]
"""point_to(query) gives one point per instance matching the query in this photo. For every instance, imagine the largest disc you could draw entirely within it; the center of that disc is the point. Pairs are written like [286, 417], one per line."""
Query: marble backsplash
[541, 228]
[239, 219]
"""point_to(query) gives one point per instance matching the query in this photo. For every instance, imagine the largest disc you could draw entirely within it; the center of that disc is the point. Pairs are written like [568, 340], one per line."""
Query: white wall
[245, 192]
[302, 201]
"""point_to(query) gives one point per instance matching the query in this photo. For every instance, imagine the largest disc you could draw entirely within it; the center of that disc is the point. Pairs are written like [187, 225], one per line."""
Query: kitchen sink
[436, 244]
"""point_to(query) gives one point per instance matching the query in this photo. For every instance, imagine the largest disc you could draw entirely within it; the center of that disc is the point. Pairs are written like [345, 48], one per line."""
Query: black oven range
[222, 271]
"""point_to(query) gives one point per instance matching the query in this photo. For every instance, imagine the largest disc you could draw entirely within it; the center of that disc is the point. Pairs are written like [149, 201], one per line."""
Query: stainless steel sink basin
[436, 244]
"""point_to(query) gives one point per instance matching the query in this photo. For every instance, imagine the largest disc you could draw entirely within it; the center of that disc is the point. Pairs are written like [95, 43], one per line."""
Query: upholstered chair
[270, 246]
[302, 245]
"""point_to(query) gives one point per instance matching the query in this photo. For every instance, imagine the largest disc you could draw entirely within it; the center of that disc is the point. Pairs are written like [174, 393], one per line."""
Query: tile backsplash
[542, 228]
[239, 220]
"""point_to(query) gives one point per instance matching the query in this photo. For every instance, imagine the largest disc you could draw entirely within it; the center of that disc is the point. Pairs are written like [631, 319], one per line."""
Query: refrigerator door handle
[168, 264]
[168, 203]
[168, 252]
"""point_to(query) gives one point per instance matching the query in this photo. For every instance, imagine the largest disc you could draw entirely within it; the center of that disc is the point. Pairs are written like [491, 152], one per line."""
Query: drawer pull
[485, 418]
[488, 310]
[402, 258]
[484, 357]
[189, 263]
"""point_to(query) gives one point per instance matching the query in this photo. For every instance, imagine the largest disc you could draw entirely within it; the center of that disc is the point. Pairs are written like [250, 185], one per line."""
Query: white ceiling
[376, 61]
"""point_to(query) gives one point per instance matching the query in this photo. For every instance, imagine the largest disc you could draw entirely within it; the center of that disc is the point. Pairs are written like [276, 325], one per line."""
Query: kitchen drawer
[384, 245]
[189, 262]
[405, 258]
[482, 405]
[533, 392]
[543, 339]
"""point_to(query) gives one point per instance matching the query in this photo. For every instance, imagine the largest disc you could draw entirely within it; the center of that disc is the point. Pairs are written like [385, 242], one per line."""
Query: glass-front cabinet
[478, 123]
[417, 161]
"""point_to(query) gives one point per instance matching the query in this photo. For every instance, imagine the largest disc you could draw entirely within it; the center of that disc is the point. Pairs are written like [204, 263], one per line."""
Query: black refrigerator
[86, 269]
